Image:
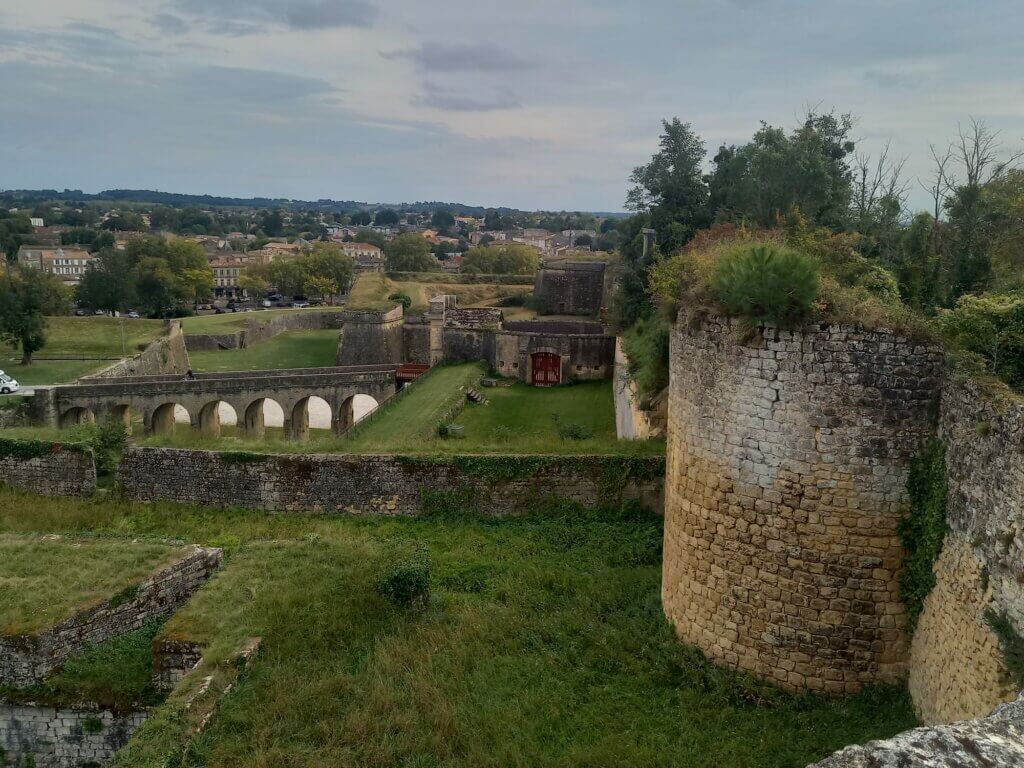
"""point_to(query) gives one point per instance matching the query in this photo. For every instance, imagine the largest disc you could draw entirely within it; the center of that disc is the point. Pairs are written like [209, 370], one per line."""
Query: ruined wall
[369, 338]
[996, 741]
[172, 660]
[26, 659]
[957, 669]
[381, 485]
[787, 467]
[63, 737]
[49, 469]
[166, 354]
[569, 287]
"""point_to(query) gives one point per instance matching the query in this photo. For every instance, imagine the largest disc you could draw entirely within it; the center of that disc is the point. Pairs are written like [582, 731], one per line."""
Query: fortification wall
[49, 469]
[369, 338]
[383, 485]
[166, 354]
[64, 737]
[258, 330]
[787, 466]
[569, 287]
[957, 668]
[26, 659]
[631, 421]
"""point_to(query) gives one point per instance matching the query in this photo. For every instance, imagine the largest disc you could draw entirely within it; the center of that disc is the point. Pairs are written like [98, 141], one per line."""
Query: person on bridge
[189, 376]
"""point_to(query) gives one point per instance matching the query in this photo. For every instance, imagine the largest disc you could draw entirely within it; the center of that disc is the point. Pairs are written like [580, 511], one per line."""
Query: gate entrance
[546, 369]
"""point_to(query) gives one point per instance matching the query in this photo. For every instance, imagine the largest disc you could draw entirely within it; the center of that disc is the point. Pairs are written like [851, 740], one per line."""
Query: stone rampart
[957, 668]
[258, 330]
[369, 338]
[564, 287]
[27, 659]
[166, 354]
[383, 485]
[49, 469]
[64, 737]
[786, 478]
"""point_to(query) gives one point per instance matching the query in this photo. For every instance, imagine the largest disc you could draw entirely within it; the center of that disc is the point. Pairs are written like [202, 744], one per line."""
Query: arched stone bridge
[154, 398]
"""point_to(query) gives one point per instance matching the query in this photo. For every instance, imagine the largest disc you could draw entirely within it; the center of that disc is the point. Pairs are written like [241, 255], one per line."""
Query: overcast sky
[530, 104]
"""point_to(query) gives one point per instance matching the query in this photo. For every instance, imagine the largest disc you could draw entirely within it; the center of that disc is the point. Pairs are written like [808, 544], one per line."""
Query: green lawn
[49, 371]
[292, 349]
[230, 322]
[44, 581]
[544, 645]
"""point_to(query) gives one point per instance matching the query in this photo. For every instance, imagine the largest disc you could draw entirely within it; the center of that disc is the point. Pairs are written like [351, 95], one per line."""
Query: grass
[230, 322]
[544, 645]
[95, 342]
[371, 291]
[45, 581]
[291, 349]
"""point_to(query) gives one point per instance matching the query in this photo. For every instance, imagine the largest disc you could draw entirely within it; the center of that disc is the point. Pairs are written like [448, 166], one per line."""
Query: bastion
[787, 462]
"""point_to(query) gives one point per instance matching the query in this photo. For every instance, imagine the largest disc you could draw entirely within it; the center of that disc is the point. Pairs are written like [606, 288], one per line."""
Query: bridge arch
[164, 418]
[354, 409]
[213, 415]
[309, 412]
[122, 412]
[77, 415]
[256, 415]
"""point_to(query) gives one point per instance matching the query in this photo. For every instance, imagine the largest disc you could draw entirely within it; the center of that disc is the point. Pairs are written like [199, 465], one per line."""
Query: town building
[368, 257]
[65, 262]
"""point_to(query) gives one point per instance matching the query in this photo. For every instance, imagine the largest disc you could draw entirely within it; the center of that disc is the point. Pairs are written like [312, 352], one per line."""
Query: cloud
[170, 24]
[890, 80]
[441, 57]
[239, 17]
[455, 100]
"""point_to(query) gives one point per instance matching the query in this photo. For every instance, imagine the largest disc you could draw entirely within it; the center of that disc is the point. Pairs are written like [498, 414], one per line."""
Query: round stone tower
[786, 478]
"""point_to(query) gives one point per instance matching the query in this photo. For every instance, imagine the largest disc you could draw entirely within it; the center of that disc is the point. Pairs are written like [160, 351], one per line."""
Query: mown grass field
[371, 291]
[291, 349]
[96, 341]
[543, 645]
[44, 581]
[229, 322]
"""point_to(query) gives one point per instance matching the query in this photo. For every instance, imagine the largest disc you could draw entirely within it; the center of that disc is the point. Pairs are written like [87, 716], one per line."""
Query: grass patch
[43, 581]
[229, 322]
[50, 371]
[371, 291]
[544, 645]
[291, 349]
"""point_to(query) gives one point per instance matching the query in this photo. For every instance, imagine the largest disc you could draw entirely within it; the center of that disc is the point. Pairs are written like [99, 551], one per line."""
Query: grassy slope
[292, 349]
[371, 291]
[544, 646]
[42, 582]
[230, 322]
[94, 338]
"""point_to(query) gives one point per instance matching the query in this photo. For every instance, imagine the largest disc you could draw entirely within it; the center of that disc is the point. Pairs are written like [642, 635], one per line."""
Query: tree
[107, 283]
[410, 253]
[442, 220]
[362, 218]
[328, 262]
[583, 241]
[26, 296]
[387, 217]
[501, 259]
[288, 276]
[125, 221]
[673, 179]
[321, 286]
[253, 281]
[155, 286]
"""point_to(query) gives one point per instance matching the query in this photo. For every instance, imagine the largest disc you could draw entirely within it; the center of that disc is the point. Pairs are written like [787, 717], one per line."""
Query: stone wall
[787, 466]
[166, 354]
[957, 670]
[172, 660]
[631, 421]
[569, 287]
[258, 330]
[369, 338]
[584, 357]
[27, 659]
[996, 741]
[416, 338]
[63, 737]
[380, 485]
[59, 471]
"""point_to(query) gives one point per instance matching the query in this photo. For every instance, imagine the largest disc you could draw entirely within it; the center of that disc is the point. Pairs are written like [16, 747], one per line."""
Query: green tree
[387, 217]
[107, 283]
[254, 281]
[288, 276]
[327, 261]
[442, 220]
[318, 285]
[156, 288]
[501, 259]
[410, 253]
[26, 297]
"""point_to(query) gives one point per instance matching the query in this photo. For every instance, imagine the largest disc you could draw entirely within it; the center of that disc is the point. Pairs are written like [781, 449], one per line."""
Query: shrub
[107, 441]
[573, 431]
[767, 283]
[402, 298]
[990, 329]
[1010, 643]
[647, 346]
[924, 526]
[405, 580]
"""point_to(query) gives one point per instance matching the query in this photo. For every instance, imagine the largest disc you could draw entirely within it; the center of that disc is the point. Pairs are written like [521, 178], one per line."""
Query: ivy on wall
[33, 449]
[923, 528]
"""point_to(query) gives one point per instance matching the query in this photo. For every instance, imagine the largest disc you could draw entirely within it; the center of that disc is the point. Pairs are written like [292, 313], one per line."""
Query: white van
[8, 386]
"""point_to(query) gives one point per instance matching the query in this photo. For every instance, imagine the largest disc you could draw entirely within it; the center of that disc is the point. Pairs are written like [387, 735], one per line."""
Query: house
[226, 271]
[36, 223]
[476, 237]
[572, 234]
[66, 262]
[368, 257]
[538, 238]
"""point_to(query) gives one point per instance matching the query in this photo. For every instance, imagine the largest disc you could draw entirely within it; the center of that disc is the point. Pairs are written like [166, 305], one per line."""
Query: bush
[107, 441]
[990, 329]
[402, 298]
[924, 527]
[405, 580]
[1010, 643]
[573, 431]
[767, 283]
[646, 345]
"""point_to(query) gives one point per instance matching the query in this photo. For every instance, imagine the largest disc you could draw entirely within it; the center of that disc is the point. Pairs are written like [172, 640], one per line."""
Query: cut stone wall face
[61, 472]
[786, 477]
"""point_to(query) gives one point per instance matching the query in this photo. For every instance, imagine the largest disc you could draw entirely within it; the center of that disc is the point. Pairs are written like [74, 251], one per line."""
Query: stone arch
[165, 417]
[256, 415]
[301, 417]
[355, 409]
[122, 413]
[213, 415]
[77, 415]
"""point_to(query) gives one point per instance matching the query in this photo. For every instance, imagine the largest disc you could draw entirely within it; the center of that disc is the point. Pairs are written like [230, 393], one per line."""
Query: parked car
[300, 304]
[8, 386]
[79, 313]
[219, 310]
[266, 304]
[133, 314]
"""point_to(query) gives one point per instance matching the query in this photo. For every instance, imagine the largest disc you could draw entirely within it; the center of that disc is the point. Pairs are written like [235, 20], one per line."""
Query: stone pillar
[345, 417]
[253, 424]
[209, 420]
[787, 461]
[296, 423]
[161, 422]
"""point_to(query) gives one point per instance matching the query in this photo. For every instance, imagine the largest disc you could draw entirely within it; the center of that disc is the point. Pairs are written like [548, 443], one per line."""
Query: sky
[530, 104]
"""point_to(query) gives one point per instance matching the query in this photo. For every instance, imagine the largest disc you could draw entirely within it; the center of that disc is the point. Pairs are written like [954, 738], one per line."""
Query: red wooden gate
[546, 368]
